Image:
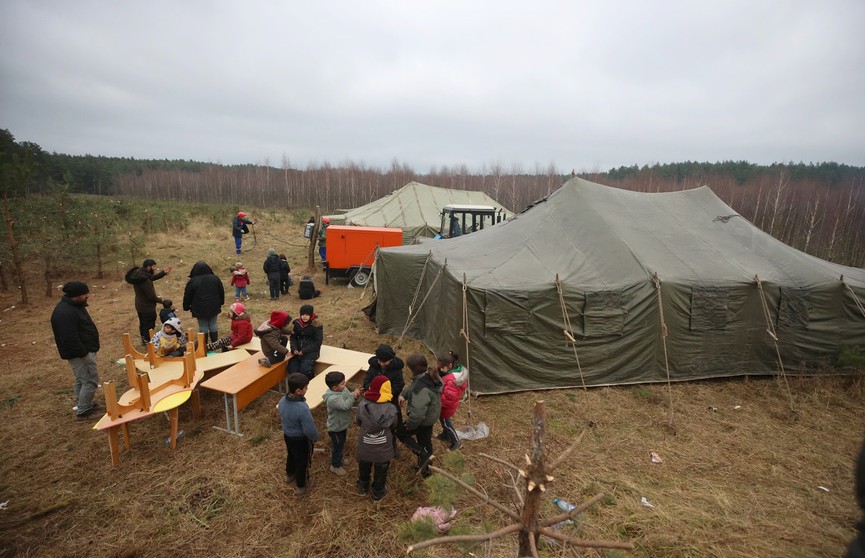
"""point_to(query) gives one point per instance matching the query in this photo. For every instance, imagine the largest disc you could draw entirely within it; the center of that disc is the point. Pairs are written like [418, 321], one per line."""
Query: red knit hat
[241, 214]
[379, 390]
[278, 319]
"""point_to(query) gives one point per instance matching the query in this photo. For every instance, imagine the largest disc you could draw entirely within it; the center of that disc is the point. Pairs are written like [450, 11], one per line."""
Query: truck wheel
[360, 278]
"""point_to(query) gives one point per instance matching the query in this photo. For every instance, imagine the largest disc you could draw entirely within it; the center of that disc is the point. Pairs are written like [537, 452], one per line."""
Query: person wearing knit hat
[240, 280]
[141, 279]
[274, 338]
[241, 330]
[385, 362]
[377, 418]
[170, 341]
[307, 335]
[238, 229]
[273, 269]
[77, 341]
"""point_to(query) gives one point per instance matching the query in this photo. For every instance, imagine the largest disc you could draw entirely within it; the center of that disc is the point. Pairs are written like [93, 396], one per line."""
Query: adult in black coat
[204, 296]
[77, 342]
[141, 279]
[273, 268]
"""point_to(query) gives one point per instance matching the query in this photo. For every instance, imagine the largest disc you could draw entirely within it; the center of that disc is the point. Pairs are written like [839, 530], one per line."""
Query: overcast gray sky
[582, 84]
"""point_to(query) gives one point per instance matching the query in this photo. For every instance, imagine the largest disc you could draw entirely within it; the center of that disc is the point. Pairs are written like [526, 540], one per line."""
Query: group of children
[302, 337]
[433, 394]
[278, 273]
[170, 340]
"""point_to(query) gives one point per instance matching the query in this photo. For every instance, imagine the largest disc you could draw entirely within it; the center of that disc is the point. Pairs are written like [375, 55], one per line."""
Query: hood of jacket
[138, 275]
[200, 268]
[394, 364]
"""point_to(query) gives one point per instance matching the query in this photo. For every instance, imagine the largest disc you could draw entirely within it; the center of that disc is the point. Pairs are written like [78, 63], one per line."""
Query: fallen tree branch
[573, 513]
[565, 454]
[465, 538]
[582, 542]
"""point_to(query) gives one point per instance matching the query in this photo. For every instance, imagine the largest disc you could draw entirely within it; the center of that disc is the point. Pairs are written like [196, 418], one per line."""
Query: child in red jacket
[240, 279]
[455, 379]
[241, 330]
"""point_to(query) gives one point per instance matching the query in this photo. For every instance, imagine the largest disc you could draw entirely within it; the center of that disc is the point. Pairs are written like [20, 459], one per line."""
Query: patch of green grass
[851, 357]
[260, 439]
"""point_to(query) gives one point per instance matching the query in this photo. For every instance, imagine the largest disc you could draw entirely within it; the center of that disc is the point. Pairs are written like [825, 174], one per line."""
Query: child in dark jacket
[339, 402]
[307, 334]
[241, 329]
[376, 418]
[423, 403]
[284, 275]
[386, 363]
[454, 378]
[274, 338]
[167, 311]
[299, 433]
[306, 289]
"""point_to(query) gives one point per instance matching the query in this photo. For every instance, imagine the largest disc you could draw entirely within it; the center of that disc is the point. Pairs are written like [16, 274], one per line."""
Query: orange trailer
[351, 250]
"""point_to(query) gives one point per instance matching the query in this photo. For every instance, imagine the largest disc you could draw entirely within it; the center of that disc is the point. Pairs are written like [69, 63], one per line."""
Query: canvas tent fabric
[415, 208]
[721, 285]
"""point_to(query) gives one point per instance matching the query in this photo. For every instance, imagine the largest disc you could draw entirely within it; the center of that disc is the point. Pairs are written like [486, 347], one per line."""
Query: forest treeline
[817, 208]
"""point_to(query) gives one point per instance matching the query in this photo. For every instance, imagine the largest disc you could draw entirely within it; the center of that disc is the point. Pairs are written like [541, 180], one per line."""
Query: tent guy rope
[657, 281]
[568, 331]
[770, 329]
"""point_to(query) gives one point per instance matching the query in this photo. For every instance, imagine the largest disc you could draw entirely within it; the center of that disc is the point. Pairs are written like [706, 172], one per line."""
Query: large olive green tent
[580, 289]
[415, 208]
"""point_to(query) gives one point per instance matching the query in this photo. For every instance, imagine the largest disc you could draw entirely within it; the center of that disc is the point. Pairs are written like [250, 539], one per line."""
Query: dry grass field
[742, 480]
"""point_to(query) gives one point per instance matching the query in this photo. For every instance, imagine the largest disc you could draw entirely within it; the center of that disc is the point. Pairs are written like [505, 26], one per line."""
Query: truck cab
[460, 219]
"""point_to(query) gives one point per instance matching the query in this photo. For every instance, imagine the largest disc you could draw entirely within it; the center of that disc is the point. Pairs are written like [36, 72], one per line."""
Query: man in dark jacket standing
[77, 342]
[204, 296]
[141, 279]
[238, 229]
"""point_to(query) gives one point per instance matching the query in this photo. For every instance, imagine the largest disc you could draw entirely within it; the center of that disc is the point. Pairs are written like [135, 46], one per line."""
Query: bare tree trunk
[16, 256]
[99, 273]
[535, 478]
[4, 281]
[47, 275]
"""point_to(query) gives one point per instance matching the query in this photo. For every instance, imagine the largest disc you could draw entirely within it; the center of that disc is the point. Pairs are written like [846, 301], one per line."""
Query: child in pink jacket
[455, 378]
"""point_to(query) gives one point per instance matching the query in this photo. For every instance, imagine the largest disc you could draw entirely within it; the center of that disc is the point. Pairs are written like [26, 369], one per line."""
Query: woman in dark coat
[204, 296]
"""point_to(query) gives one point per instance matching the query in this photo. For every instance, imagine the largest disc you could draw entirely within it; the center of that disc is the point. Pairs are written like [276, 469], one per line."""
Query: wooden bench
[242, 384]
[170, 367]
[146, 398]
[253, 346]
[334, 359]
